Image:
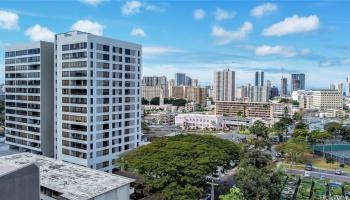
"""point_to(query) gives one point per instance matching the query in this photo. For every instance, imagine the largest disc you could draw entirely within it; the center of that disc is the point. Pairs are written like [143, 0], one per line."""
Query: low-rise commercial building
[160, 118]
[251, 109]
[64, 181]
[199, 121]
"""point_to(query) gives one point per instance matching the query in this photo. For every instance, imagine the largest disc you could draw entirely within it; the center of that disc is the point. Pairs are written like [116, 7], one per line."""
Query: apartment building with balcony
[97, 101]
[29, 89]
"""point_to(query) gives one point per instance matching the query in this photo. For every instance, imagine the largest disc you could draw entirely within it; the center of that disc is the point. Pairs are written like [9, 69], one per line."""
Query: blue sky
[199, 37]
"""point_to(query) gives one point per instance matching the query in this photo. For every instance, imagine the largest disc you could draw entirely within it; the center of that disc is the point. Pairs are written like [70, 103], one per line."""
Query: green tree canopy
[155, 101]
[176, 166]
[318, 135]
[234, 194]
[257, 178]
[295, 148]
[144, 101]
[179, 102]
[259, 129]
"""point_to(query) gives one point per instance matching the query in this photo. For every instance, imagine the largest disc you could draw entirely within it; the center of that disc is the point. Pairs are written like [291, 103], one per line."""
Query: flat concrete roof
[73, 181]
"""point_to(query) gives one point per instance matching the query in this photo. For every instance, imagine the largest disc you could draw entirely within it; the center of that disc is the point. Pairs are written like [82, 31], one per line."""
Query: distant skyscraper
[331, 86]
[257, 78]
[188, 81]
[297, 82]
[341, 88]
[224, 85]
[273, 92]
[180, 79]
[348, 86]
[260, 94]
[194, 83]
[284, 87]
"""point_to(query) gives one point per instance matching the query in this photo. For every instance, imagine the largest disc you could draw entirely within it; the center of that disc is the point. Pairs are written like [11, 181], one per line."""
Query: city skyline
[243, 36]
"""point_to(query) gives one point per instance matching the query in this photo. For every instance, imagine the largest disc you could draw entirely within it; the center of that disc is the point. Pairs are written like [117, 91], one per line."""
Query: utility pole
[212, 183]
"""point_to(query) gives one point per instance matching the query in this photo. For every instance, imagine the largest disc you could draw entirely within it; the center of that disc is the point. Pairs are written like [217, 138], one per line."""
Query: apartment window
[34, 51]
[102, 47]
[21, 53]
[10, 54]
[75, 55]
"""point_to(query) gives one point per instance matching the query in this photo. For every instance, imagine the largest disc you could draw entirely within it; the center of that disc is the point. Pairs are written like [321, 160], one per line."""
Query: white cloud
[326, 63]
[151, 51]
[138, 32]
[263, 9]
[88, 26]
[198, 14]
[283, 51]
[292, 25]
[40, 33]
[226, 36]
[346, 61]
[134, 7]
[221, 14]
[92, 2]
[8, 20]
[305, 52]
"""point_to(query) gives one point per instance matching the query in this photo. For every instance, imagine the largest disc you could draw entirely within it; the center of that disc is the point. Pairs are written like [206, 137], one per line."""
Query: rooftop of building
[73, 181]
[76, 32]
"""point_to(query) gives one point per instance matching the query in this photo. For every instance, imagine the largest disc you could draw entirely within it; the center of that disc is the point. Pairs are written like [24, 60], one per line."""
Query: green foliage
[284, 100]
[234, 194]
[332, 127]
[295, 103]
[259, 129]
[301, 130]
[144, 101]
[297, 116]
[301, 125]
[175, 102]
[176, 166]
[317, 135]
[330, 160]
[257, 178]
[179, 102]
[155, 101]
[295, 148]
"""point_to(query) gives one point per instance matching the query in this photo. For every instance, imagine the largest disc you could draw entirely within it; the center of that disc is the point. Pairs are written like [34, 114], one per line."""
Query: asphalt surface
[318, 174]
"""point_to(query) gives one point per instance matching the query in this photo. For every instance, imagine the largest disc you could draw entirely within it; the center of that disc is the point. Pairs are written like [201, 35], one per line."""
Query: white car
[307, 174]
[338, 172]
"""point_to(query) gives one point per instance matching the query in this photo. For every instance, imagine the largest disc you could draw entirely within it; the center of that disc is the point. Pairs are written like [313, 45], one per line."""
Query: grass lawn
[317, 162]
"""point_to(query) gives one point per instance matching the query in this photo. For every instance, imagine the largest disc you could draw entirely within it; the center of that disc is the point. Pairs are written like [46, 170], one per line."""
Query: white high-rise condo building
[29, 83]
[97, 102]
[224, 85]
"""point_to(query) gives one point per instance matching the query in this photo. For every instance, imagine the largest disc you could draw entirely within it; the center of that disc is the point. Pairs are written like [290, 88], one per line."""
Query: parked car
[308, 167]
[338, 172]
[307, 174]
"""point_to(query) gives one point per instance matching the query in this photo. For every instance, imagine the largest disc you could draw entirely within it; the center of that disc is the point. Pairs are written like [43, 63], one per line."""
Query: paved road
[317, 174]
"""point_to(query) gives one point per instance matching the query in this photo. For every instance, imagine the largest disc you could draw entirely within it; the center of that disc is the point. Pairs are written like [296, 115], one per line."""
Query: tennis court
[341, 152]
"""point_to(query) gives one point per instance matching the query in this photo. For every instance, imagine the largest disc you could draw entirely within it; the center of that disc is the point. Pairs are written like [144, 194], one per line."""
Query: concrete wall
[122, 193]
[47, 99]
[21, 184]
